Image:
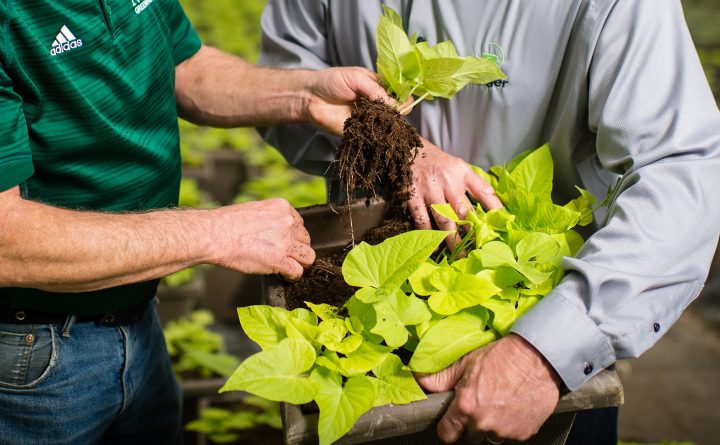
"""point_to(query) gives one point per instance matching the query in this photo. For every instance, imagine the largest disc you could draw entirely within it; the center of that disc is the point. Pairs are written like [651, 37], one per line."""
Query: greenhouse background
[667, 391]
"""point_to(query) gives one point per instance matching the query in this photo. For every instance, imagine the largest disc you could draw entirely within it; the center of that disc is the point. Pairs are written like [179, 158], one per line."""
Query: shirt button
[656, 327]
[588, 368]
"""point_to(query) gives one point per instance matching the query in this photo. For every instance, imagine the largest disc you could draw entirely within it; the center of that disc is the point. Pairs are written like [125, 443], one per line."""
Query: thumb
[444, 380]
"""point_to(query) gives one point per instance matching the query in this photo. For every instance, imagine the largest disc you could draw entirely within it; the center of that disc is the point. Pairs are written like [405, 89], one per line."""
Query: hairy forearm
[218, 89]
[56, 249]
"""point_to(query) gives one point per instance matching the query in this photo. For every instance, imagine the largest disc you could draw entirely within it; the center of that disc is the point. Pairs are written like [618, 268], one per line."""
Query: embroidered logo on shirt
[64, 41]
[496, 54]
[140, 5]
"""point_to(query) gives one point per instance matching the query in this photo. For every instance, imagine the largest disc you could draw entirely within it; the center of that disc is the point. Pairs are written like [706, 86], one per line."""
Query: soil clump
[377, 151]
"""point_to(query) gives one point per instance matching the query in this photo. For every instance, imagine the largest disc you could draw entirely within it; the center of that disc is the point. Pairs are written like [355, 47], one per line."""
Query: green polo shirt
[88, 117]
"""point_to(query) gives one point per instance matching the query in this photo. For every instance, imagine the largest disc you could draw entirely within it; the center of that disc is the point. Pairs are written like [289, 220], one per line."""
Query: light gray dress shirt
[615, 87]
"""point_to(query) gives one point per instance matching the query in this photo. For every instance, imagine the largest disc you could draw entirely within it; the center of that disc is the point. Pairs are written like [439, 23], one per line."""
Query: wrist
[535, 359]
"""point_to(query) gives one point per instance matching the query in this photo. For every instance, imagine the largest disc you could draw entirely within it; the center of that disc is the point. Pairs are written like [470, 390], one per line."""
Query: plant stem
[417, 101]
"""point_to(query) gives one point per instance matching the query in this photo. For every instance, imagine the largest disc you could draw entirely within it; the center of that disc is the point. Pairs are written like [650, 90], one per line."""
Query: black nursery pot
[331, 228]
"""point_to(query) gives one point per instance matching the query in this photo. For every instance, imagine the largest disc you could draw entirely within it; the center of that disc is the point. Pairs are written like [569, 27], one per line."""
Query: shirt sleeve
[16, 163]
[185, 40]
[293, 36]
[657, 125]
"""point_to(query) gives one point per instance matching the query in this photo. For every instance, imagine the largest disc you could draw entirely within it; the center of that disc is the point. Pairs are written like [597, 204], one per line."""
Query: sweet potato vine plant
[435, 307]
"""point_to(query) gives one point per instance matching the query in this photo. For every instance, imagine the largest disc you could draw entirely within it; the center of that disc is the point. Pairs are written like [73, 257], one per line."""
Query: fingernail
[462, 212]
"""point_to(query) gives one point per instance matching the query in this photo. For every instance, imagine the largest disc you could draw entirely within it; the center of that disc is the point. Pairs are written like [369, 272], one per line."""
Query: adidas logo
[64, 41]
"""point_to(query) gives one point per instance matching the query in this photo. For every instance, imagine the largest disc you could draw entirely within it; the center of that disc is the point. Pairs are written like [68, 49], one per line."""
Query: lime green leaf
[499, 219]
[394, 313]
[525, 303]
[503, 314]
[301, 329]
[442, 49]
[457, 290]
[448, 212]
[340, 406]
[331, 331]
[276, 373]
[387, 265]
[324, 311]
[397, 62]
[220, 363]
[477, 70]
[348, 345]
[395, 384]
[537, 247]
[498, 254]
[420, 279]
[534, 172]
[450, 339]
[363, 359]
[265, 325]
[438, 77]
[539, 215]
[583, 205]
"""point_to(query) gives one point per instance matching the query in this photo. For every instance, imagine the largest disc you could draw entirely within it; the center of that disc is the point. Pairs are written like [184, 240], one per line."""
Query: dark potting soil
[323, 282]
[377, 151]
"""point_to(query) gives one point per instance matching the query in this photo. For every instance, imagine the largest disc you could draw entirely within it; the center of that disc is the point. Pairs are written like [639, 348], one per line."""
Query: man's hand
[440, 178]
[505, 390]
[333, 91]
[262, 237]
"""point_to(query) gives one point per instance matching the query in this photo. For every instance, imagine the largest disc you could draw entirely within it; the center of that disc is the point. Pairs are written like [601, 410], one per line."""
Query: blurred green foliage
[222, 425]
[195, 350]
[234, 26]
[703, 17]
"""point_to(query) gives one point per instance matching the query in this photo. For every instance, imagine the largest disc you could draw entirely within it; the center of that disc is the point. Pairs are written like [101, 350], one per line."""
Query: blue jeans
[80, 383]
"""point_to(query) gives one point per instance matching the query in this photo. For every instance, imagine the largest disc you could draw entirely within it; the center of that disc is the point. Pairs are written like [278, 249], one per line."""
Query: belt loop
[69, 323]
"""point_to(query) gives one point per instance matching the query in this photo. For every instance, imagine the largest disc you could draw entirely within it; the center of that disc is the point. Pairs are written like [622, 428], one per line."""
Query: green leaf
[583, 205]
[265, 325]
[276, 373]
[397, 62]
[438, 78]
[331, 332]
[498, 254]
[395, 383]
[457, 290]
[364, 358]
[538, 215]
[450, 339]
[323, 311]
[448, 212]
[219, 363]
[340, 405]
[394, 313]
[477, 70]
[301, 329]
[503, 314]
[534, 172]
[538, 247]
[420, 279]
[442, 49]
[387, 265]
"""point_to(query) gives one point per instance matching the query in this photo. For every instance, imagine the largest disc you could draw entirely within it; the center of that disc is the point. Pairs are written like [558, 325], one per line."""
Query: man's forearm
[64, 250]
[217, 89]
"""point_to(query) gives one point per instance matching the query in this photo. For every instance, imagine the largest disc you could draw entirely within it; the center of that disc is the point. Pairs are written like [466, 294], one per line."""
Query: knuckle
[466, 404]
